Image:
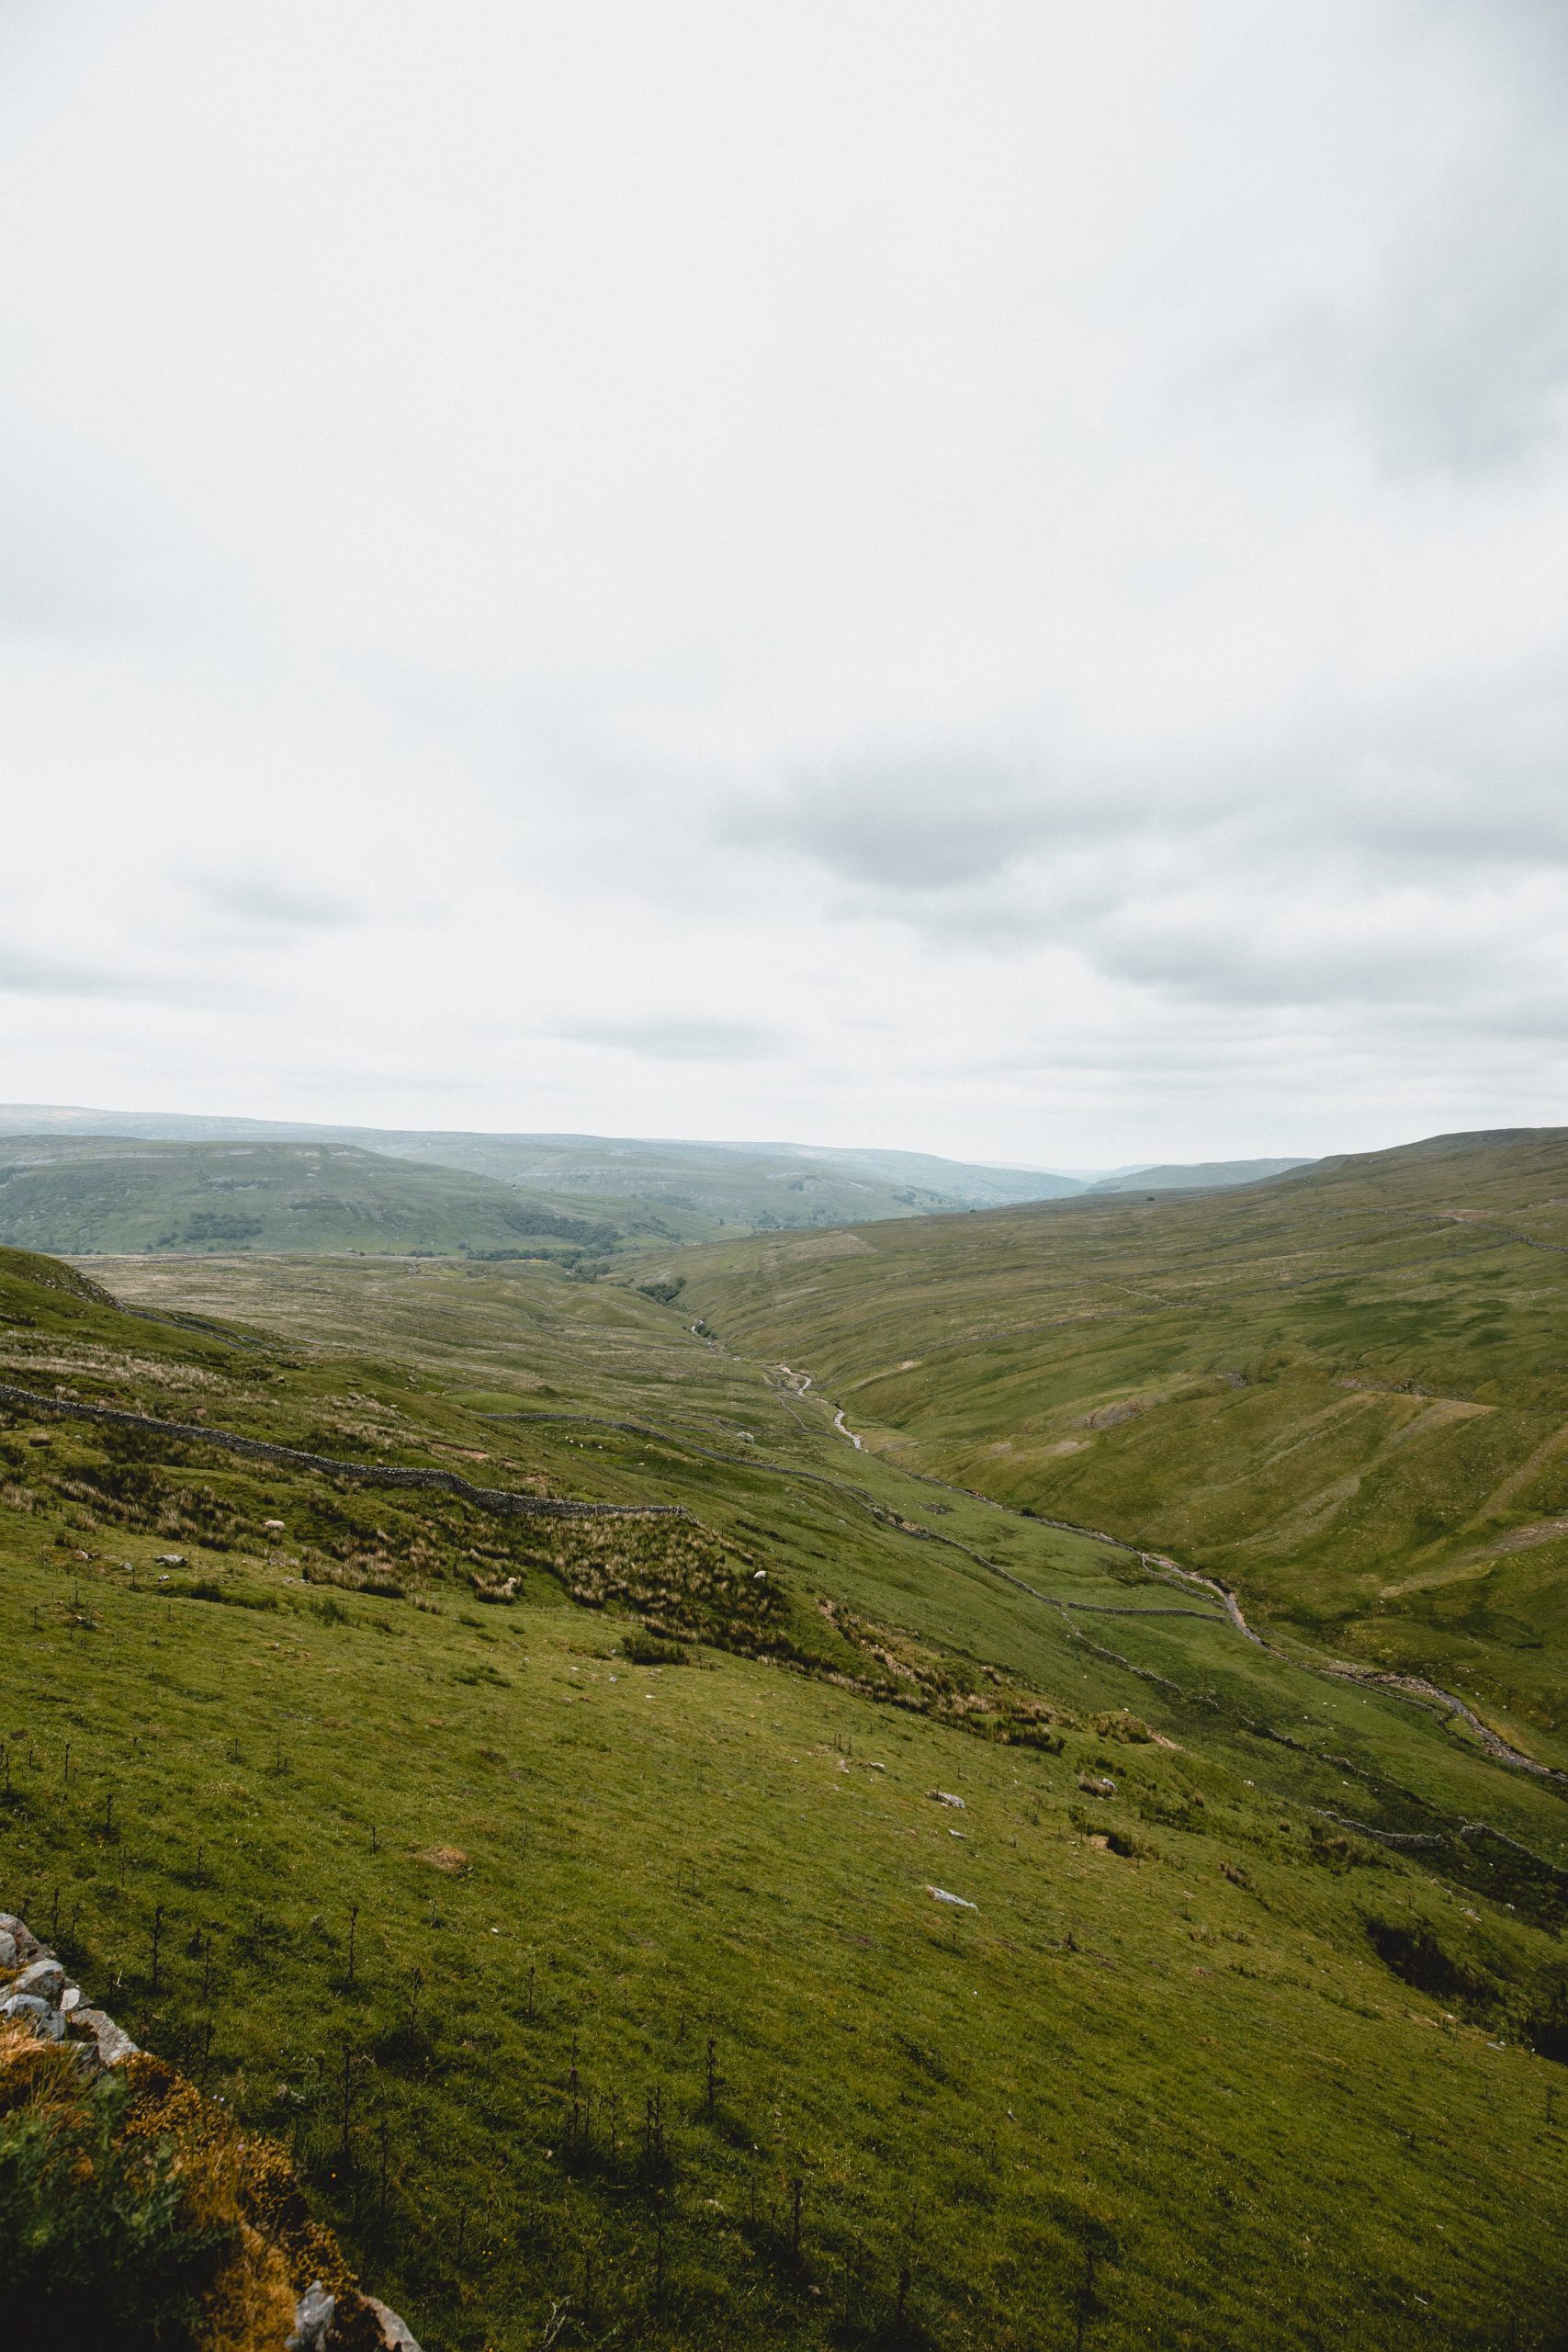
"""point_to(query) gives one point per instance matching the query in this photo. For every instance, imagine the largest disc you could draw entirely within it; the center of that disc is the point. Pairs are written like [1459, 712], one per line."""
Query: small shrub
[1419, 1960]
[1341, 1853]
[643, 1648]
[97, 2243]
[1546, 2020]
[1119, 1724]
[231, 1596]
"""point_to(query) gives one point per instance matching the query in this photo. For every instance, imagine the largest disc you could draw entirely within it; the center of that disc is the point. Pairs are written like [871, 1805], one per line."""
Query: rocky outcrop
[320, 2325]
[35, 1991]
[38, 1995]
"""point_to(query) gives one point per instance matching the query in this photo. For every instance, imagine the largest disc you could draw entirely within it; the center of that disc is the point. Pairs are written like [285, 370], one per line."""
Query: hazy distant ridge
[1202, 1176]
[696, 1188]
[683, 1191]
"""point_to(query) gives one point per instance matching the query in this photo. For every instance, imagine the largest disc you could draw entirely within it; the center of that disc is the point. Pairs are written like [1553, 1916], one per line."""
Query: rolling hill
[677, 1190]
[1344, 1391]
[92, 1195]
[687, 1190]
[841, 1914]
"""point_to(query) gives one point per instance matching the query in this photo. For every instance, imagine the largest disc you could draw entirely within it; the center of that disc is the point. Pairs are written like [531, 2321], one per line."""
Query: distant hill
[107, 1195]
[690, 1191]
[975, 1186]
[1202, 1176]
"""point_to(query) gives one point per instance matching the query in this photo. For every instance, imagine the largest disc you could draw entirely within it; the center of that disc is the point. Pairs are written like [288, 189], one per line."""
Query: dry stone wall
[502, 1501]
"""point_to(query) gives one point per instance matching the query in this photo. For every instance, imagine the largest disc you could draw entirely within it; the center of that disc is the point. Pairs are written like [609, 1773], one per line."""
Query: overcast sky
[975, 576]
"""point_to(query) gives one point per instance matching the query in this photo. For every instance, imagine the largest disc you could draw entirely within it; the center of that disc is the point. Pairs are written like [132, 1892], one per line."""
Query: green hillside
[606, 1998]
[682, 1190]
[1345, 1391]
[90, 1196]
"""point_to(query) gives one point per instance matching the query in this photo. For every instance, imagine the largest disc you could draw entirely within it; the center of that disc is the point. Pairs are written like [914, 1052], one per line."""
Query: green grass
[1346, 1392]
[1166, 2086]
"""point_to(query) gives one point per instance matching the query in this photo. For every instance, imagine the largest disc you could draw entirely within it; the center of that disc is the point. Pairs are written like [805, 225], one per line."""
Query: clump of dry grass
[203, 2238]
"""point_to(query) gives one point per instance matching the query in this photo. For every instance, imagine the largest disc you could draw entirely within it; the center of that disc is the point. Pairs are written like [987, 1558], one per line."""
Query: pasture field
[561, 1891]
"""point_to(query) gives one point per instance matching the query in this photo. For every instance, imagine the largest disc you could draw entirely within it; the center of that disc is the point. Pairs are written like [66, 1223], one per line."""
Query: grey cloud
[1457, 361]
[1401, 857]
[682, 1041]
[1463, 366]
[935, 824]
[22, 974]
[1215, 951]
[1527, 36]
[65, 571]
[270, 904]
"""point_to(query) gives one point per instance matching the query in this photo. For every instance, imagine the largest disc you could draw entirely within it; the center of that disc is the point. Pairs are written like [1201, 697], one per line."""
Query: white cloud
[990, 581]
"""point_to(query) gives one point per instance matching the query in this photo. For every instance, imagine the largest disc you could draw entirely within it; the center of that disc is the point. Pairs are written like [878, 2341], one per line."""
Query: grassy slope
[1186, 2060]
[1346, 1392]
[94, 1194]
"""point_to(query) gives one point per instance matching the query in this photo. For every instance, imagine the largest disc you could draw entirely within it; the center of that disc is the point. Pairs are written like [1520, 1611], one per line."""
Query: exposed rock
[313, 2318]
[7, 1949]
[112, 2044]
[26, 1943]
[26, 2009]
[396, 2335]
[945, 1796]
[352, 2323]
[44, 1977]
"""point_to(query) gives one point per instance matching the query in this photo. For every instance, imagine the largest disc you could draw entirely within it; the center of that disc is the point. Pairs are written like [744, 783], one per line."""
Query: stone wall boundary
[502, 1501]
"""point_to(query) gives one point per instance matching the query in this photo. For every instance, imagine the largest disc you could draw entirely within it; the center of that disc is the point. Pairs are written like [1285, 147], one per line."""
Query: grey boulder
[44, 1977]
[26, 2009]
[112, 2043]
[26, 1943]
[395, 2335]
[314, 2324]
[313, 2318]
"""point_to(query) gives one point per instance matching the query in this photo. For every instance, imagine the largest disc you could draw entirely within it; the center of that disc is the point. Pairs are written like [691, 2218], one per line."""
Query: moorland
[853, 1909]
